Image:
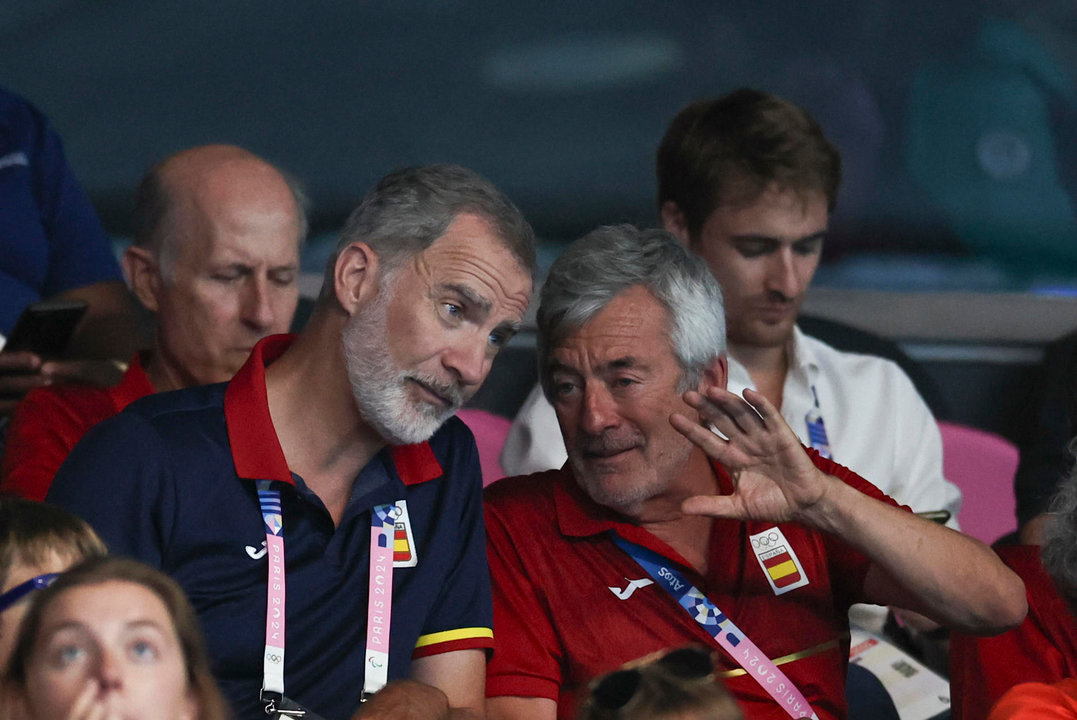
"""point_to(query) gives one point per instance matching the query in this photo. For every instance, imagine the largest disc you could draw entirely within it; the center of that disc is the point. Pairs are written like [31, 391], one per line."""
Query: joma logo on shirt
[256, 553]
[633, 586]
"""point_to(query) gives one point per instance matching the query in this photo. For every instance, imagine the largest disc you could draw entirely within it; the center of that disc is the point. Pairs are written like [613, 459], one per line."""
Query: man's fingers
[700, 436]
[94, 372]
[725, 411]
[19, 362]
[759, 403]
[717, 448]
[713, 505]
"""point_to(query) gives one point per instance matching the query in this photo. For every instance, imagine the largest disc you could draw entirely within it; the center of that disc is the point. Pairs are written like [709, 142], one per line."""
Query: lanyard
[728, 636]
[273, 658]
[816, 428]
[379, 596]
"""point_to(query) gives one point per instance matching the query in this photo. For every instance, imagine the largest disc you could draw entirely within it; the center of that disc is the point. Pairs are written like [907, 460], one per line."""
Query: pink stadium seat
[983, 465]
[490, 432]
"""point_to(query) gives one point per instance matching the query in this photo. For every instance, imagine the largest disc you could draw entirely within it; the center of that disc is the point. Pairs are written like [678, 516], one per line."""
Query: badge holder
[284, 708]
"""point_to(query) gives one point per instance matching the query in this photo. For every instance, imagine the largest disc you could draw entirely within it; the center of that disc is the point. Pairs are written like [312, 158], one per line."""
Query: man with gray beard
[334, 440]
[687, 514]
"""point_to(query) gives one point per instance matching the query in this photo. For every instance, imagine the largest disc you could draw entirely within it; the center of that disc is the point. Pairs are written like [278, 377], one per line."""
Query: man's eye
[811, 247]
[225, 276]
[561, 389]
[284, 279]
[751, 250]
[452, 310]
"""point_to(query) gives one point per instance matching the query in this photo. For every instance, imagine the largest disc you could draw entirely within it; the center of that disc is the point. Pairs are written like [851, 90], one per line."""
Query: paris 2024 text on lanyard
[379, 602]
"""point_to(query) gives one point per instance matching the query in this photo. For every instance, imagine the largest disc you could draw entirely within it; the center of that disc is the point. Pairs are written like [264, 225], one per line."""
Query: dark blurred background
[957, 121]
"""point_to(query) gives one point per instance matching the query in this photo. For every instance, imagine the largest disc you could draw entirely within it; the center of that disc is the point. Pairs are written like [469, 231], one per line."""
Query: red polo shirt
[50, 420]
[570, 605]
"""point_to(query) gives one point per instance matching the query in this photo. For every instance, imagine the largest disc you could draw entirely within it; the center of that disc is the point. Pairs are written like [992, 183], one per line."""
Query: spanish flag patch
[778, 561]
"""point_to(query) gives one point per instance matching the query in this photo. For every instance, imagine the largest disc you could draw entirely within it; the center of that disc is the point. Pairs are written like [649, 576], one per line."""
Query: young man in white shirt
[748, 182]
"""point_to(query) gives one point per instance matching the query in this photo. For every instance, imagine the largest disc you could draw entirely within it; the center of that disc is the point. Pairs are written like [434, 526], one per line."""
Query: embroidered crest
[778, 561]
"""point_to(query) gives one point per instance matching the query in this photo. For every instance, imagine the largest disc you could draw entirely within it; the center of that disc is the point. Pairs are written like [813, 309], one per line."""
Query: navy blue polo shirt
[171, 481]
[50, 237]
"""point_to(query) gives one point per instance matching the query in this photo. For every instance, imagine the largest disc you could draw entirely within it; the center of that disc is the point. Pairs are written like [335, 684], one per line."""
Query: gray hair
[1059, 550]
[154, 226]
[614, 258]
[410, 208]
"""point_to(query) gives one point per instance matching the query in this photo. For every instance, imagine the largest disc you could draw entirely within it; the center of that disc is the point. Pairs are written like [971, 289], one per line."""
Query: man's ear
[355, 276]
[143, 275]
[673, 221]
[715, 375]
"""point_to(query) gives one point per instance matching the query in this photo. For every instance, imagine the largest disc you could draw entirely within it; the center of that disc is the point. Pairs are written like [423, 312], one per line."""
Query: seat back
[490, 431]
[983, 466]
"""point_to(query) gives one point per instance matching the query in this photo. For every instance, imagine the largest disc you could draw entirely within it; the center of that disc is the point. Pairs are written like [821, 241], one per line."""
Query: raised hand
[774, 479]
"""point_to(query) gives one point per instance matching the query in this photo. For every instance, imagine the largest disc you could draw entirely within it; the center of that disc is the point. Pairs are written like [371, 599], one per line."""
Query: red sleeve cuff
[522, 686]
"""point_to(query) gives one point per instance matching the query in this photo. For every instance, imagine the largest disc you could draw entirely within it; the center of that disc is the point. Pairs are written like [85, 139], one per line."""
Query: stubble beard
[627, 490]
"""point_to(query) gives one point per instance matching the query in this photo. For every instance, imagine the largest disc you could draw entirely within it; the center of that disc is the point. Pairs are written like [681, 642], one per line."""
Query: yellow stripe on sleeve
[450, 635]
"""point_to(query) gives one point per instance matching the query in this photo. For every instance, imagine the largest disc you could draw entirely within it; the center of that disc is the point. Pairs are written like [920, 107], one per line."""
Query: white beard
[381, 388]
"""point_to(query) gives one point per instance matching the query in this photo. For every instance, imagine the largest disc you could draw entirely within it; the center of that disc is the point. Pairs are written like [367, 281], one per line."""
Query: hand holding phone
[42, 331]
[44, 328]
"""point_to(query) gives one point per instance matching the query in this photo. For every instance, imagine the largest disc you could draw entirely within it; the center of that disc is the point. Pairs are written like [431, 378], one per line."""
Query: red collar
[134, 384]
[256, 451]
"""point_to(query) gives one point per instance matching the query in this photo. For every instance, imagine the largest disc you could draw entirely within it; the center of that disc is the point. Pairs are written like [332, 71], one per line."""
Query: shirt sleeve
[121, 493]
[1035, 701]
[462, 617]
[43, 431]
[527, 656]
[849, 566]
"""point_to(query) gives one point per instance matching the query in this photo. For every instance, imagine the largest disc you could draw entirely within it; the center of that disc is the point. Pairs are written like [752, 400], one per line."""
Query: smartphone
[46, 327]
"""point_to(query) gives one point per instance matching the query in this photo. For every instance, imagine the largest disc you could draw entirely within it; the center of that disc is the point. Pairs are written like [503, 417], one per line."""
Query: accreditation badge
[778, 561]
[405, 554]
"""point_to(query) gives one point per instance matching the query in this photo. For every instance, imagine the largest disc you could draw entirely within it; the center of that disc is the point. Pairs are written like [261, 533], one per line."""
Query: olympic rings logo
[274, 659]
[764, 541]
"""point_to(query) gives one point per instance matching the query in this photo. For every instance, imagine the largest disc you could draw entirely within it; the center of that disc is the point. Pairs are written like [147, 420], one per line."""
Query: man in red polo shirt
[660, 532]
[216, 259]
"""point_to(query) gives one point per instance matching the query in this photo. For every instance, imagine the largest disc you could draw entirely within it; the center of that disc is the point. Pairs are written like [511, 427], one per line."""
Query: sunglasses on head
[21, 590]
[616, 689]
